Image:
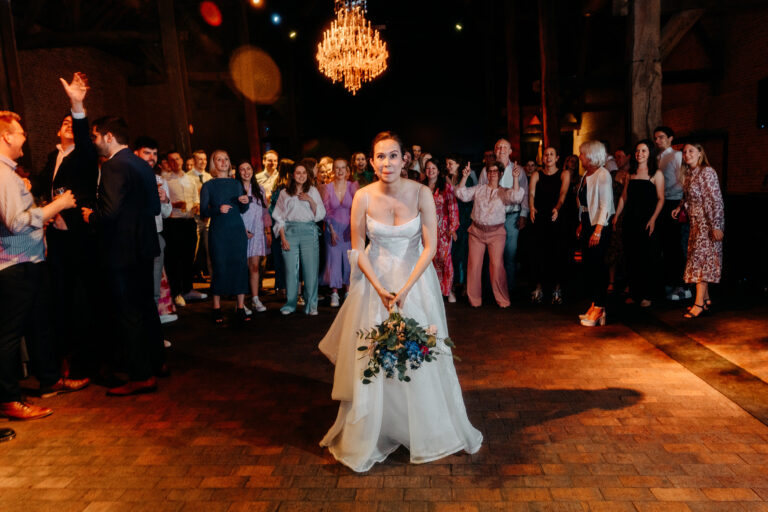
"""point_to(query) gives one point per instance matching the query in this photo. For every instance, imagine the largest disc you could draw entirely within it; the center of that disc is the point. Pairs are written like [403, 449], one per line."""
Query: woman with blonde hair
[703, 203]
[222, 200]
[594, 198]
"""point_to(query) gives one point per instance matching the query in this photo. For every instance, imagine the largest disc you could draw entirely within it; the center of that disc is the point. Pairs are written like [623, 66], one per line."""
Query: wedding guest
[70, 244]
[24, 302]
[222, 200]
[447, 225]
[202, 263]
[268, 177]
[673, 234]
[284, 168]
[189, 164]
[595, 204]
[615, 254]
[703, 202]
[361, 173]
[548, 188]
[337, 200]
[124, 219]
[641, 201]
[258, 227]
[460, 246]
[325, 173]
[181, 230]
[487, 230]
[299, 207]
[516, 213]
[530, 168]
[570, 217]
[146, 149]
[416, 160]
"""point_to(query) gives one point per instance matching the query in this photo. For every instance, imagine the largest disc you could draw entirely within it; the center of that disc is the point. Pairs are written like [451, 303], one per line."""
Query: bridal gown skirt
[426, 415]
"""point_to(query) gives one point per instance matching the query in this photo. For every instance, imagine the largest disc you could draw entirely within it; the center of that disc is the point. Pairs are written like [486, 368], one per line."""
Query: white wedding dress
[426, 415]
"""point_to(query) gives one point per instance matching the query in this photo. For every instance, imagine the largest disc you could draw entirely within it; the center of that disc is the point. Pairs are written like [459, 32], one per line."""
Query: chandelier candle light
[351, 49]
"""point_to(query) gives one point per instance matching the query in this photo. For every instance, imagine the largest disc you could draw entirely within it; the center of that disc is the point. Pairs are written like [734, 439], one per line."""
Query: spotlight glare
[292, 34]
[459, 27]
[276, 19]
[256, 3]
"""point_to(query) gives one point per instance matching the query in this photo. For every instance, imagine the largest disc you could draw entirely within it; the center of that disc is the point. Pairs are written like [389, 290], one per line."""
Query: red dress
[447, 224]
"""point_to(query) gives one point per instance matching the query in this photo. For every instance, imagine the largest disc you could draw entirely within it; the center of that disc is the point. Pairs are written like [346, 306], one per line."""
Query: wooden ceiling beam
[676, 28]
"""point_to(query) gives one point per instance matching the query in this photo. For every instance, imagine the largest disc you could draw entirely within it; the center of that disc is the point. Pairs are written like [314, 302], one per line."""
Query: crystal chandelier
[351, 49]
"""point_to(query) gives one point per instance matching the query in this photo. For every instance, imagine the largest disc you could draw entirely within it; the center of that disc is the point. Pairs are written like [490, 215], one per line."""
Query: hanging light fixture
[351, 50]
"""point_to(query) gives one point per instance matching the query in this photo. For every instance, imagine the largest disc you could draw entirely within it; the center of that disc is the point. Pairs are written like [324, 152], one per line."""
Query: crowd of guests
[139, 227]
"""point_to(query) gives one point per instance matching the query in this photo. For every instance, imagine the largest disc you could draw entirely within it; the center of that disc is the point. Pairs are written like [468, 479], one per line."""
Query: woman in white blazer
[595, 200]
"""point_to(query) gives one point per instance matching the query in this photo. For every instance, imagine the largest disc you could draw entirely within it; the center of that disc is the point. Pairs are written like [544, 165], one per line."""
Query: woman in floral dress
[447, 225]
[703, 203]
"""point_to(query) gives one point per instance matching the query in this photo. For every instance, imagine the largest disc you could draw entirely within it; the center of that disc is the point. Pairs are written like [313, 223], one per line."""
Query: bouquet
[398, 344]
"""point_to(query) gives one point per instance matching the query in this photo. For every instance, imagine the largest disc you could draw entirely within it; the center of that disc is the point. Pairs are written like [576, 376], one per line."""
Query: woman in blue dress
[222, 200]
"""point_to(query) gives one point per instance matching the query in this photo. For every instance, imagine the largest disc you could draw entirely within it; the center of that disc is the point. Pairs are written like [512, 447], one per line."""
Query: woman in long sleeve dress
[703, 202]
[460, 246]
[337, 199]
[299, 207]
[222, 200]
[447, 225]
[258, 228]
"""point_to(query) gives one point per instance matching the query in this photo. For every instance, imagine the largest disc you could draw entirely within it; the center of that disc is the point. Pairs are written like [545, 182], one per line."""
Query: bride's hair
[387, 136]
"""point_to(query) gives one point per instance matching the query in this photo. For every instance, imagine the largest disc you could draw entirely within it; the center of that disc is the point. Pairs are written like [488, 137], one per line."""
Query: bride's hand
[399, 299]
[386, 297]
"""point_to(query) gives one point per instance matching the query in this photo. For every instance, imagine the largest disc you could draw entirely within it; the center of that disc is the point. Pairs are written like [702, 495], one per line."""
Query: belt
[515, 209]
[486, 227]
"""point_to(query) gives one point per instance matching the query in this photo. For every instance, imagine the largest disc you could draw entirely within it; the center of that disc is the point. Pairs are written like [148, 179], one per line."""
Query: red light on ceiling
[210, 13]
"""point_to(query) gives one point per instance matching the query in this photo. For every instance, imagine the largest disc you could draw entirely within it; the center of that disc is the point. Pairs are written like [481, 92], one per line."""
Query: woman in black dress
[548, 189]
[641, 201]
[222, 200]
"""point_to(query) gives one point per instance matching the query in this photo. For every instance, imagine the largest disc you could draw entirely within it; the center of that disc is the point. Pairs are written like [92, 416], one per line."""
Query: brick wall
[731, 107]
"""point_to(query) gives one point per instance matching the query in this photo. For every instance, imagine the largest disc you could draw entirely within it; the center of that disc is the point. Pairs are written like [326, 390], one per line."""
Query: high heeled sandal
[702, 311]
[240, 316]
[600, 320]
[585, 315]
[218, 319]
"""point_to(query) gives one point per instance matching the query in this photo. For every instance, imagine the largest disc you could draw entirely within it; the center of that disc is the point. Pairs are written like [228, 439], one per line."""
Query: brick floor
[574, 419]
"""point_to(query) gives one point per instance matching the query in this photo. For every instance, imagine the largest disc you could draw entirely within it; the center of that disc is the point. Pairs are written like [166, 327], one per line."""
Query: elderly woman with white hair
[595, 201]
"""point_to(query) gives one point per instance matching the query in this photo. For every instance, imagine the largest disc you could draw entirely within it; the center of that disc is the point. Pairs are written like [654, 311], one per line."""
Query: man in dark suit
[124, 219]
[71, 257]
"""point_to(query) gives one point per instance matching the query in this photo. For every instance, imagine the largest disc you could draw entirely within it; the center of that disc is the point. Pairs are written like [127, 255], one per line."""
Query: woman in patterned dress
[703, 203]
[258, 227]
[447, 225]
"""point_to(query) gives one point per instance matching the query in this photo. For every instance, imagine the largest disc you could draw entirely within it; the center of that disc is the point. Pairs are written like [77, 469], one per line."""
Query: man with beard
[124, 218]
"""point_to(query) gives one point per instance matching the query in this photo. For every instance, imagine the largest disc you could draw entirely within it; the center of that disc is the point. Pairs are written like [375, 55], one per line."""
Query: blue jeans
[305, 249]
[510, 248]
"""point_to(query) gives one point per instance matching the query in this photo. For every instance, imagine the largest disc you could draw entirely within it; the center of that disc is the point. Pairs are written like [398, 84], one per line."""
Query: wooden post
[550, 110]
[251, 111]
[10, 76]
[513, 81]
[174, 69]
[645, 72]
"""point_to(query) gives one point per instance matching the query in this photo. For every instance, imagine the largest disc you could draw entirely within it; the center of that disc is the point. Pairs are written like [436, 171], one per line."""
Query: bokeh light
[255, 75]
[211, 13]
[276, 19]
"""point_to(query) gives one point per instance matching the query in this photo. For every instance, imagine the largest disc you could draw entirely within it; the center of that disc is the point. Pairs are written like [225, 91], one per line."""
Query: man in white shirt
[516, 213]
[674, 236]
[180, 230]
[268, 176]
[202, 264]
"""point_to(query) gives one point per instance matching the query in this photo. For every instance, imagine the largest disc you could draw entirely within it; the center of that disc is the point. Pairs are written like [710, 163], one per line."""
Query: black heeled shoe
[218, 319]
[702, 311]
[241, 317]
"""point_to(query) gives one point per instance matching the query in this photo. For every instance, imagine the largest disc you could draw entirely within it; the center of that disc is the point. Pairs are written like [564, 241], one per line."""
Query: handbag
[682, 216]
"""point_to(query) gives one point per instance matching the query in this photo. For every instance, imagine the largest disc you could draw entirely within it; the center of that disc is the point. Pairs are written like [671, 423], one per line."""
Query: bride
[426, 415]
